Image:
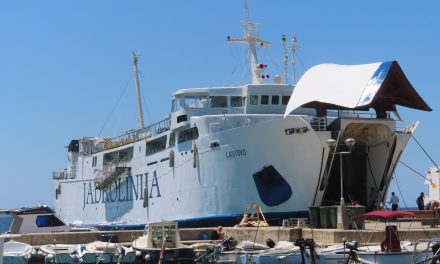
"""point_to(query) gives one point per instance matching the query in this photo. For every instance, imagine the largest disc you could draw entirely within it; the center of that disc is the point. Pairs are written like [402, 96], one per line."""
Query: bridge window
[285, 100]
[275, 100]
[219, 101]
[236, 101]
[189, 102]
[265, 99]
[253, 99]
[195, 102]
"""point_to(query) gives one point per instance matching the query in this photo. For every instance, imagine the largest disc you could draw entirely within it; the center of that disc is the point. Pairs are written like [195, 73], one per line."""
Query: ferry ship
[285, 147]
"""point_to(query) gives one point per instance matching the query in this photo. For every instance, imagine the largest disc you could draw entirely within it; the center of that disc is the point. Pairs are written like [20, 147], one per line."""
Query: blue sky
[64, 64]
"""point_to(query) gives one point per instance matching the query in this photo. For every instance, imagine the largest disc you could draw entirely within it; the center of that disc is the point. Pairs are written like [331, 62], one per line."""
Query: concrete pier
[374, 233]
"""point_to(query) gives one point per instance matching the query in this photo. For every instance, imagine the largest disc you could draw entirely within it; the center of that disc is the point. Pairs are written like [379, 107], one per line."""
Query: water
[5, 223]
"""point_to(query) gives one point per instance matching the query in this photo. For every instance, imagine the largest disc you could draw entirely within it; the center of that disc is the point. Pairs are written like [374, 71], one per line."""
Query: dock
[373, 233]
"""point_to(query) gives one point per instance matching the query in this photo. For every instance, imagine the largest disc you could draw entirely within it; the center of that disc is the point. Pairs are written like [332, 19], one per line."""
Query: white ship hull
[215, 189]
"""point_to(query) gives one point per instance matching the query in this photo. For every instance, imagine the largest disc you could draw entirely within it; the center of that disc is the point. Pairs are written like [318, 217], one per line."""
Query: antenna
[140, 117]
[285, 57]
[293, 46]
[246, 11]
[252, 40]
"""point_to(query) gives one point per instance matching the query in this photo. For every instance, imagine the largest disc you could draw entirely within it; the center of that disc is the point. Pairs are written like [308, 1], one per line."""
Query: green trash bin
[332, 217]
[314, 217]
[323, 217]
[355, 211]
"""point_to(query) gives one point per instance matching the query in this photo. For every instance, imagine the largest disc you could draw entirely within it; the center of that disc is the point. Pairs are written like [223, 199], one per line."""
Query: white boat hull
[16, 253]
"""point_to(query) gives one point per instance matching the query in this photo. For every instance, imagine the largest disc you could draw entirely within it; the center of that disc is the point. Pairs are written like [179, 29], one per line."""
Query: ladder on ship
[111, 173]
[108, 179]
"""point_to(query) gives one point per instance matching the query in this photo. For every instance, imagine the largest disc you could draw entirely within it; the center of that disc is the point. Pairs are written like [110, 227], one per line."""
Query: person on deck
[421, 201]
[394, 201]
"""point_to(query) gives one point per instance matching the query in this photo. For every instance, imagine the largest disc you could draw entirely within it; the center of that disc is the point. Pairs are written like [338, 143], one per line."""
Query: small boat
[35, 220]
[391, 250]
[250, 252]
[427, 250]
[161, 243]
[17, 252]
[352, 253]
[107, 252]
[60, 253]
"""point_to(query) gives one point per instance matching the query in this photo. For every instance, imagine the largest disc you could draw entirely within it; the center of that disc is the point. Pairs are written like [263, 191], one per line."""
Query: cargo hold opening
[354, 168]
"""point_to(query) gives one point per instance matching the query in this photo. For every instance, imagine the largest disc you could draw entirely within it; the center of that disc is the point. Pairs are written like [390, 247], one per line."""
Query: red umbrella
[385, 214]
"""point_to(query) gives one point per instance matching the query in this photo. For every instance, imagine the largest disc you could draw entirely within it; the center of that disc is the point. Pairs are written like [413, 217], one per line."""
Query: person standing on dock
[421, 201]
[394, 201]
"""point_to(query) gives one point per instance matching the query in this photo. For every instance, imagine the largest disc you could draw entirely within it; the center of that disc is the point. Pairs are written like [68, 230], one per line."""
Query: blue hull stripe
[274, 219]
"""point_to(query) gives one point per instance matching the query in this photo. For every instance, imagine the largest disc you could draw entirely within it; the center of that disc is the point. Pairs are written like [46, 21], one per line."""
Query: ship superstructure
[223, 147]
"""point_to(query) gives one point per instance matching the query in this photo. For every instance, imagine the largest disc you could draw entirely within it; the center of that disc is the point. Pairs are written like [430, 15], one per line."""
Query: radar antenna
[252, 40]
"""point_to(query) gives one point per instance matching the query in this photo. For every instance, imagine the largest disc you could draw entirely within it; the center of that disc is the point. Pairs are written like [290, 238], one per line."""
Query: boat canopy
[381, 86]
[44, 209]
[385, 214]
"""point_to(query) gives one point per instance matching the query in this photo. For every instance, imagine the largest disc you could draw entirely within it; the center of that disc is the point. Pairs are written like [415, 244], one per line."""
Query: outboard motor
[270, 243]
[299, 243]
[306, 243]
[352, 246]
[311, 245]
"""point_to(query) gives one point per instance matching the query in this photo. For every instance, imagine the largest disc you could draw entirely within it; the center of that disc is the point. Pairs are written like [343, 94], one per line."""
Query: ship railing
[406, 126]
[401, 126]
[63, 175]
[135, 135]
[356, 114]
[318, 123]
[111, 167]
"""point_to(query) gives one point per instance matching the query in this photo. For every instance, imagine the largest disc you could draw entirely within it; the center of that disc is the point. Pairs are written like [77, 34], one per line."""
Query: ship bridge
[247, 99]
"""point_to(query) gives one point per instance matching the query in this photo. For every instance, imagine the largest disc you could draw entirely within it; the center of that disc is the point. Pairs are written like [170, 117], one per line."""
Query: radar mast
[252, 40]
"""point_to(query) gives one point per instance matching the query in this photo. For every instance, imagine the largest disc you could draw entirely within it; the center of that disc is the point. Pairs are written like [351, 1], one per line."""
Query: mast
[293, 50]
[252, 40]
[140, 117]
[285, 57]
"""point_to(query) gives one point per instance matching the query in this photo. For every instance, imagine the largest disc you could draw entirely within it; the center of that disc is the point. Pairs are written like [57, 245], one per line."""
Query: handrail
[60, 175]
[317, 123]
[133, 136]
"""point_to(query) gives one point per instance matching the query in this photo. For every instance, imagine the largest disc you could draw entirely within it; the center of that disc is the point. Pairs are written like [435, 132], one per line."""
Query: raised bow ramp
[381, 86]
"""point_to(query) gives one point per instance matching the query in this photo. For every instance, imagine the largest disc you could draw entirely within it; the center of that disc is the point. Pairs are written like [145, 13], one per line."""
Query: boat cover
[385, 214]
[381, 86]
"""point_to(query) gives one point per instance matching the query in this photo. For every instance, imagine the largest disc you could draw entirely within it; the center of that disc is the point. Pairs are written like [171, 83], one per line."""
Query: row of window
[194, 102]
[160, 143]
[265, 99]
